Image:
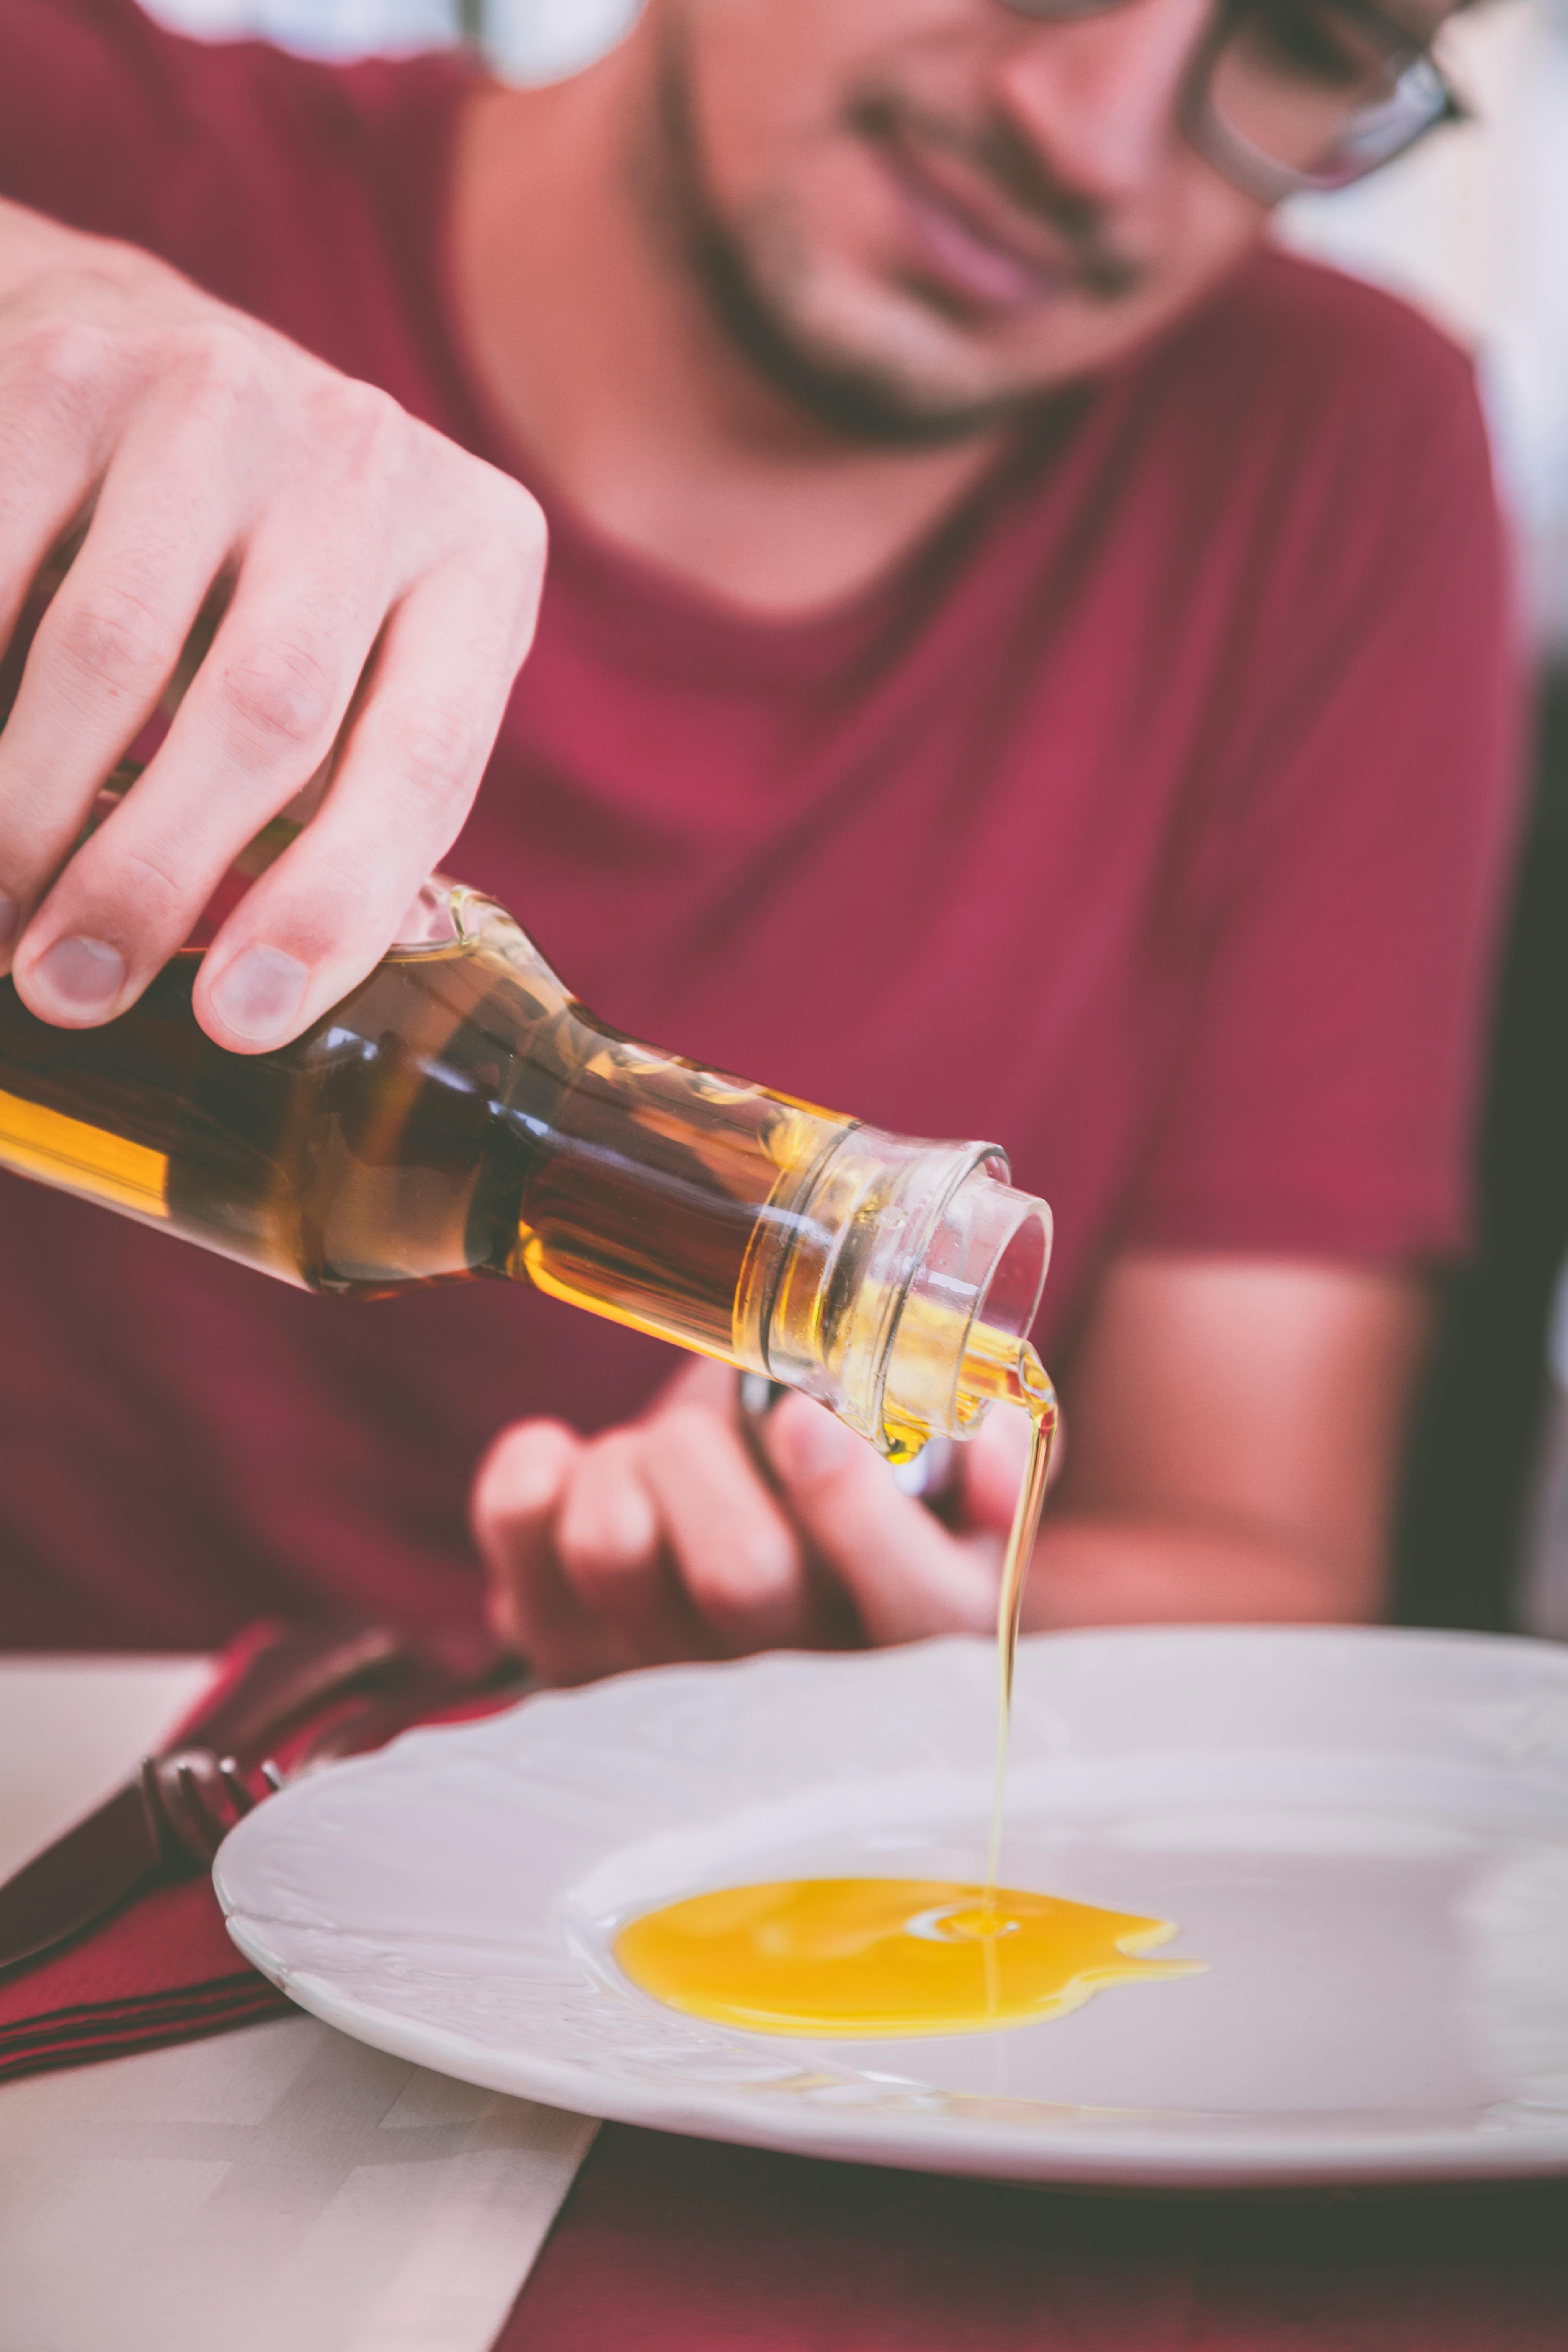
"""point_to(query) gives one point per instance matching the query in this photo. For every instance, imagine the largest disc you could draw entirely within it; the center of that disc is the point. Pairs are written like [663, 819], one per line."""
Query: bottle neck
[902, 1288]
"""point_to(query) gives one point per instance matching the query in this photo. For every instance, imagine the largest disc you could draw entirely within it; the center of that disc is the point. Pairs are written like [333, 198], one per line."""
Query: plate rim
[1173, 2160]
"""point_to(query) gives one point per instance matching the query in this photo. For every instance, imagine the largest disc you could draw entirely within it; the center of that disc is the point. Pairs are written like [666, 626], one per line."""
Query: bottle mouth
[1008, 1303]
[959, 1344]
[896, 1284]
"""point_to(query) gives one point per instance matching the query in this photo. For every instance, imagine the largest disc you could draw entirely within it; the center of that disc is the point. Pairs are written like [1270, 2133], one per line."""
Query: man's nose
[1097, 96]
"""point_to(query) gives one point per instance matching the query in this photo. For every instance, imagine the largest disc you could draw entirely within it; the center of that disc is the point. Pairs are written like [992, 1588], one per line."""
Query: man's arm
[1233, 1436]
[1237, 1425]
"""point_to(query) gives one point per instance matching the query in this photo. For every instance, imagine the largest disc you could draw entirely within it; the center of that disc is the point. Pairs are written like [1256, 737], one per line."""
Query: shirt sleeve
[1324, 1100]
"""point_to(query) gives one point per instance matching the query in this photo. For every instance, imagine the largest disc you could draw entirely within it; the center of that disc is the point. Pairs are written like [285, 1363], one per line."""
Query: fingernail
[261, 992]
[9, 911]
[533, 1471]
[814, 1443]
[83, 976]
[626, 1532]
[530, 1487]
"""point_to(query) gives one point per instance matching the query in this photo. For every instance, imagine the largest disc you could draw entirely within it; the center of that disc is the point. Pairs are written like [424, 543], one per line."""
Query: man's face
[917, 213]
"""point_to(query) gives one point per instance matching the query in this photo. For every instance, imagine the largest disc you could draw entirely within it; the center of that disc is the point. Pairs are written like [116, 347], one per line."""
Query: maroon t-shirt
[1149, 820]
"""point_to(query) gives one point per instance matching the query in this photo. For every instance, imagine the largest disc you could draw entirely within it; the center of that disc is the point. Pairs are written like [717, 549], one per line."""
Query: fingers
[661, 1542]
[906, 1574]
[738, 1557]
[260, 716]
[29, 848]
[131, 894]
[516, 1494]
[416, 753]
[578, 1581]
[39, 499]
[49, 465]
[637, 1548]
[611, 1549]
[379, 589]
[163, 528]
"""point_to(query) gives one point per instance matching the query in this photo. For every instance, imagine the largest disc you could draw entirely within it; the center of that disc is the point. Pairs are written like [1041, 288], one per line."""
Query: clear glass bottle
[459, 1116]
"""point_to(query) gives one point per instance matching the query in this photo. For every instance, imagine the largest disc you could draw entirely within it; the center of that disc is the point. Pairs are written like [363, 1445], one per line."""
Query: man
[1017, 660]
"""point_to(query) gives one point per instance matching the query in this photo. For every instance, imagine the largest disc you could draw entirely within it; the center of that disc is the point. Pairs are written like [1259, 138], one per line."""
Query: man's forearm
[1092, 1570]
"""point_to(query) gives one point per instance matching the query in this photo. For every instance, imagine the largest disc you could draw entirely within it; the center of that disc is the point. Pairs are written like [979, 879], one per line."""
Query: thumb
[906, 1576]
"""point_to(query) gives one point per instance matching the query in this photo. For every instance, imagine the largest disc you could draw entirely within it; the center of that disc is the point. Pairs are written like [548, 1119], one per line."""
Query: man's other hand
[1235, 1426]
[342, 596]
[662, 1540]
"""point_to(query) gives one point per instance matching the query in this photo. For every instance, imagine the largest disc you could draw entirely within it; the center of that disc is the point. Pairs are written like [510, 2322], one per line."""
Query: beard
[753, 279]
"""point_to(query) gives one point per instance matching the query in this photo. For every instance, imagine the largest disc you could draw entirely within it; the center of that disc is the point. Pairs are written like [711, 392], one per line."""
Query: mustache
[999, 153]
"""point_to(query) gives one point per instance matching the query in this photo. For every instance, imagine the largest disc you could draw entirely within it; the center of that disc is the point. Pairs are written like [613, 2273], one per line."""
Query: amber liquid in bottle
[456, 1117]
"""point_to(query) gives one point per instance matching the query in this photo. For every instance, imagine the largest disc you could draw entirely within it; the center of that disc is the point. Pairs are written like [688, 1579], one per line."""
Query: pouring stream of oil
[866, 1957]
[1031, 1387]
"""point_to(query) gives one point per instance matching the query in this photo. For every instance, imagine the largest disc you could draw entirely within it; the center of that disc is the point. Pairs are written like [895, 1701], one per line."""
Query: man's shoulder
[1292, 334]
[293, 188]
[278, 94]
[1289, 299]
[1298, 399]
[114, 123]
[151, 61]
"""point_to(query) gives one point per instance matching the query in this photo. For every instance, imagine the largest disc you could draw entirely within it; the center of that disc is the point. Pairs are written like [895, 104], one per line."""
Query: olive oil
[864, 1959]
[1040, 1402]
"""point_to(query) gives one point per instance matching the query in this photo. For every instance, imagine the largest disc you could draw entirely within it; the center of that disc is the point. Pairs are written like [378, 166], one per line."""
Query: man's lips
[972, 242]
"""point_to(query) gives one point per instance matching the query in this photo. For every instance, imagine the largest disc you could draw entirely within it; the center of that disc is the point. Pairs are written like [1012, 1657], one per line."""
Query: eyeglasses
[1284, 96]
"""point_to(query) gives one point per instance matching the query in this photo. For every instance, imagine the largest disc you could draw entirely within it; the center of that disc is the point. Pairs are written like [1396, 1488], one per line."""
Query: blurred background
[536, 40]
[1472, 228]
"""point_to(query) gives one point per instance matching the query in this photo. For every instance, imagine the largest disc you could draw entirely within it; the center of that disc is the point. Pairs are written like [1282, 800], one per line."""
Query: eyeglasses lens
[1311, 93]
[1320, 93]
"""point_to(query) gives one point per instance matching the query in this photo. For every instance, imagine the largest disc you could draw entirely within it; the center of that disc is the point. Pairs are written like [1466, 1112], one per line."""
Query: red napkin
[163, 1969]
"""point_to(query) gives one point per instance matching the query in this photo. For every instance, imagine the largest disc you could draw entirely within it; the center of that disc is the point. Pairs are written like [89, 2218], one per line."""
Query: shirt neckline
[652, 618]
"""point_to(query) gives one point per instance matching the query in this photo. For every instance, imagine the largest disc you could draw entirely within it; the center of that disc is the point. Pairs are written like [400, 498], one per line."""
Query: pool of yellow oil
[866, 1957]
[869, 1957]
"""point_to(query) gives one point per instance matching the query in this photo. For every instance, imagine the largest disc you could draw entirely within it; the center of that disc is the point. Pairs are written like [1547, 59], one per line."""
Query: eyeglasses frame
[1257, 174]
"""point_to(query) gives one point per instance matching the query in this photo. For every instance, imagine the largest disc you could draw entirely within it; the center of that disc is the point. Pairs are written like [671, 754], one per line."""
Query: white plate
[1364, 1834]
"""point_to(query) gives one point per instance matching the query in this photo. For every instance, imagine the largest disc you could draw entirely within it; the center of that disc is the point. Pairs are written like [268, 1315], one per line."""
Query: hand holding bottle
[660, 1541]
[341, 593]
